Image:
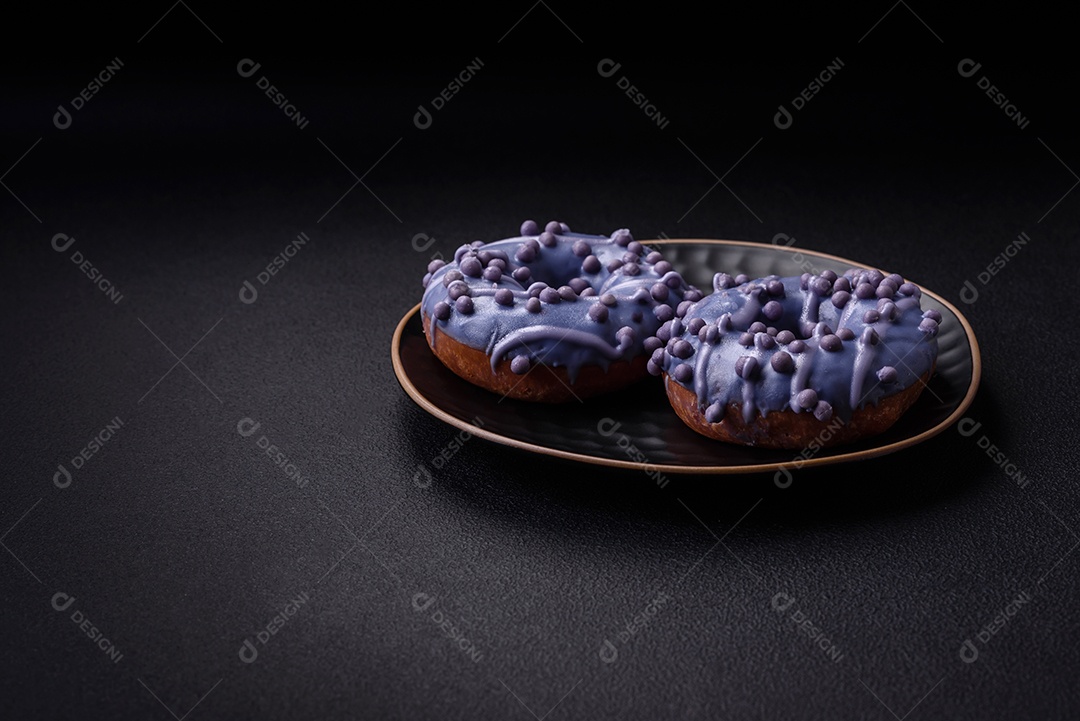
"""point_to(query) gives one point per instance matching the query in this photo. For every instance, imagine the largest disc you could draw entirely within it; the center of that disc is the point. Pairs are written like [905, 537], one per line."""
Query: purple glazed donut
[580, 305]
[787, 362]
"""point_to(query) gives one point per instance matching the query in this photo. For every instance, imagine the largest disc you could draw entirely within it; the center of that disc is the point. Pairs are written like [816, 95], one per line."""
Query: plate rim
[976, 376]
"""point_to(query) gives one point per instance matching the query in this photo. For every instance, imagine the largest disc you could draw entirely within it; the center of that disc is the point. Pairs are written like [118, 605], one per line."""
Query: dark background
[180, 539]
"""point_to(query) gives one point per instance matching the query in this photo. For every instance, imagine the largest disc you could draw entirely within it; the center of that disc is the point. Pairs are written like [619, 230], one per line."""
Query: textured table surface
[247, 537]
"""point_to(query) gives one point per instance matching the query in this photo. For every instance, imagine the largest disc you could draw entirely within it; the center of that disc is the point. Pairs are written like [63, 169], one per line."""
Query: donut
[798, 361]
[580, 305]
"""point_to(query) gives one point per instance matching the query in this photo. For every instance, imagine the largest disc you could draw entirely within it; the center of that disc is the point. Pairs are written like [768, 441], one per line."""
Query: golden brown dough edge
[539, 384]
[791, 430]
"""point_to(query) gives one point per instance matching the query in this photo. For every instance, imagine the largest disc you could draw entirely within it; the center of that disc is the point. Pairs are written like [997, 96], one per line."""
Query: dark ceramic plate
[639, 429]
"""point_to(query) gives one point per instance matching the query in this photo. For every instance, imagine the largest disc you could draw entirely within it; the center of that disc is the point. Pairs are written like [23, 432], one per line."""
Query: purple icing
[881, 345]
[568, 298]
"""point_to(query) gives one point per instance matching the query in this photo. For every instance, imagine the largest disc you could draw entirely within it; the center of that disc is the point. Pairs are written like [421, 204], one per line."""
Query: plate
[640, 430]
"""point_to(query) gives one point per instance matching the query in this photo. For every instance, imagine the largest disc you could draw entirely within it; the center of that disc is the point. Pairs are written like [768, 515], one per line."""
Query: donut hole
[559, 269]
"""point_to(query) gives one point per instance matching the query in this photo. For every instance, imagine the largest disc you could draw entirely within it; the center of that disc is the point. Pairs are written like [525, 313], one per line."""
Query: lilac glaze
[581, 300]
[828, 351]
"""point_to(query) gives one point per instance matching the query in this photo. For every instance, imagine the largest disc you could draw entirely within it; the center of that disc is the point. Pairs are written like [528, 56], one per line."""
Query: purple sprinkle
[652, 343]
[775, 288]
[909, 289]
[820, 286]
[504, 296]
[654, 257]
[723, 281]
[682, 349]
[550, 295]
[457, 289]
[896, 279]
[932, 315]
[564, 228]
[588, 292]
[663, 312]
[742, 278]
[929, 326]
[659, 291]
[695, 325]
[529, 227]
[757, 327]
[782, 362]
[676, 327]
[840, 298]
[887, 374]
[831, 343]
[714, 413]
[871, 316]
[631, 269]
[641, 295]
[614, 265]
[785, 336]
[536, 288]
[653, 368]
[608, 299]
[532, 305]
[567, 293]
[887, 310]
[450, 276]
[591, 264]
[771, 331]
[774, 310]
[664, 333]
[829, 275]
[635, 247]
[673, 280]
[709, 334]
[657, 356]
[684, 373]
[764, 341]
[548, 239]
[492, 273]
[625, 331]
[869, 337]
[841, 284]
[554, 227]
[662, 267]
[796, 346]
[442, 310]
[484, 256]
[823, 411]
[426, 280]
[622, 237]
[520, 365]
[578, 284]
[525, 254]
[746, 339]
[532, 243]
[581, 248]
[885, 289]
[435, 265]
[471, 267]
[693, 295]
[683, 308]
[598, 312]
[747, 367]
[804, 281]
[807, 399]
[464, 305]
[521, 274]
[875, 277]
[864, 291]
[846, 334]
